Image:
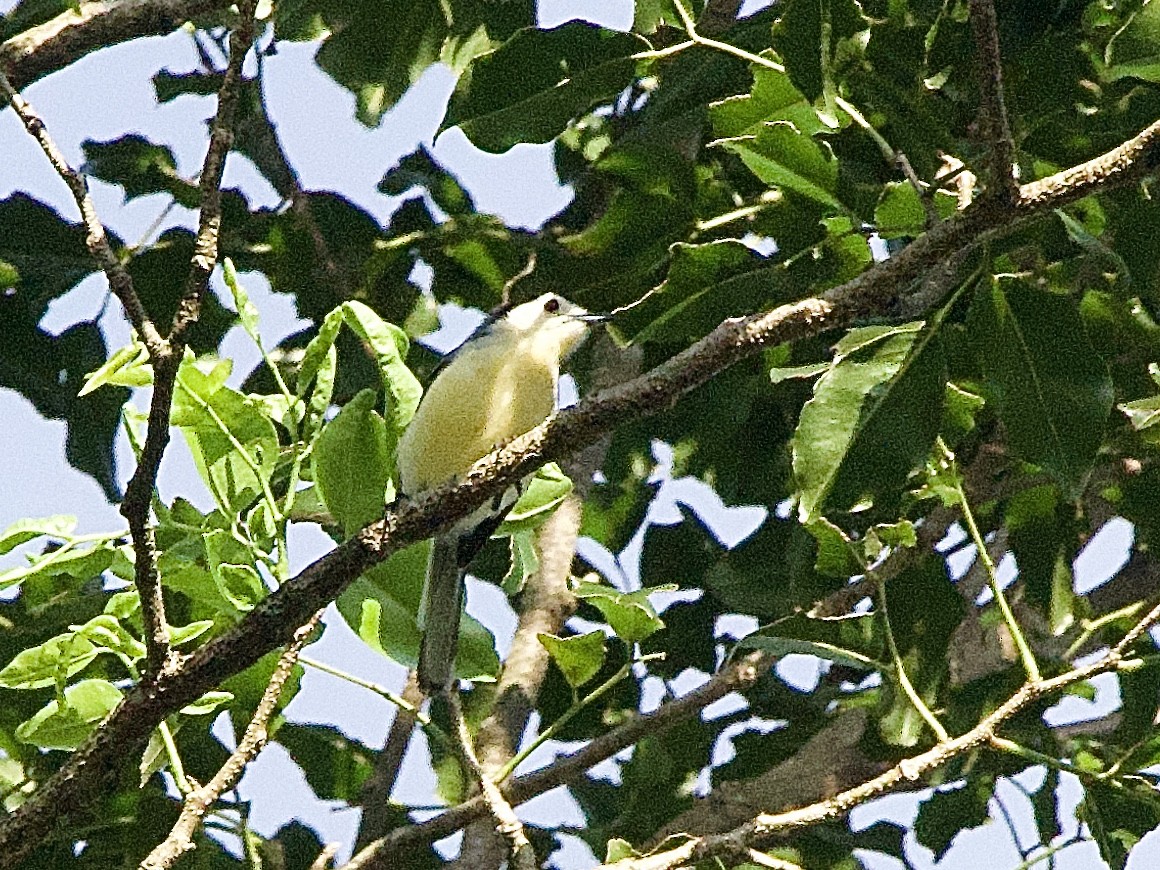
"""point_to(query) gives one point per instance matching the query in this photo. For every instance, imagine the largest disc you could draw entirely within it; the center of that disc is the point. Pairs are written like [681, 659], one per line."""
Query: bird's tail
[439, 616]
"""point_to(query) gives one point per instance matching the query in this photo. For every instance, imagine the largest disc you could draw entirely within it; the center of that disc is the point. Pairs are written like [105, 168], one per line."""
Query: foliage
[754, 166]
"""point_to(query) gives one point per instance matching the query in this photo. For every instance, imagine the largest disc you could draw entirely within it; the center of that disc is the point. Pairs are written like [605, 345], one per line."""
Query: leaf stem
[555, 728]
[175, 765]
[1025, 653]
[900, 671]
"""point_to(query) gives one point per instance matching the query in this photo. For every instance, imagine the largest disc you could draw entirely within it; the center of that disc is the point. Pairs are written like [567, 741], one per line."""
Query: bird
[499, 384]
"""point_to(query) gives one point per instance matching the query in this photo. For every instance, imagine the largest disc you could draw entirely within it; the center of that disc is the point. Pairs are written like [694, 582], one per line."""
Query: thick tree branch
[993, 106]
[737, 843]
[270, 623]
[198, 802]
[68, 37]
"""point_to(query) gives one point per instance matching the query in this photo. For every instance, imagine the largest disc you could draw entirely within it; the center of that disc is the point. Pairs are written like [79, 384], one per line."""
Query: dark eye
[552, 305]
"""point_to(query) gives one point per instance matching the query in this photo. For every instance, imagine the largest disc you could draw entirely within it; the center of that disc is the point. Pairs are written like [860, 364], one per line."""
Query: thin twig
[199, 801]
[96, 239]
[375, 797]
[900, 672]
[993, 107]
[221, 138]
[1025, 653]
[523, 857]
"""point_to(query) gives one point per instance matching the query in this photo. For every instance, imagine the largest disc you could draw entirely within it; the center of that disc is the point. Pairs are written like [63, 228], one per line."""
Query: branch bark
[65, 39]
[198, 802]
[271, 623]
[993, 105]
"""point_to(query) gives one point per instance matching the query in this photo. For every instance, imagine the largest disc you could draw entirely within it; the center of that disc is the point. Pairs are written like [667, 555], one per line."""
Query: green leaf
[207, 703]
[336, 766]
[379, 63]
[525, 561]
[106, 633]
[318, 350]
[630, 614]
[78, 563]
[872, 419]
[851, 641]
[545, 492]
[837, 554]
[247, 312]
[128, 367]
[773, 98]
[23, 531]
[352, 463]
[48, 664]
[579, 657]
[950, 811]
[234, 574]
[1052, 390]
[382, 607]
[900, 212]
[1118, 819]
[232, 439]
[782, 156]
[539, 80]
[421, 169]
[789, 373]
[387, 345]
[55, 727]
[705, 284]
[179, 635]
[618, 850]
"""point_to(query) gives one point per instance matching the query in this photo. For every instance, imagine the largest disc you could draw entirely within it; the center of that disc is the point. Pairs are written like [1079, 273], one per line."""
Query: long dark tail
[442, 605]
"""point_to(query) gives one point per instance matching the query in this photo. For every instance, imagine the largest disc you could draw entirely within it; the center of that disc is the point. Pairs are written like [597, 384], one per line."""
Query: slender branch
[146, 575]
[375, 797]
[523, 857]
[908, 689]
[737, 676]
[735, 844]
[96, 239]
[221, 138]
[198, 802]
[993, 107]
[87, 27]
[267, 626]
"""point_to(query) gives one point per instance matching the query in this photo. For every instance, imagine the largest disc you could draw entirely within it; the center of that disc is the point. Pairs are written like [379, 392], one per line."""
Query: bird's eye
[552, 305]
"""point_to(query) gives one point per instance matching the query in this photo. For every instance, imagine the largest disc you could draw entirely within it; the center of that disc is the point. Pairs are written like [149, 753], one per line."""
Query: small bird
[499, 384]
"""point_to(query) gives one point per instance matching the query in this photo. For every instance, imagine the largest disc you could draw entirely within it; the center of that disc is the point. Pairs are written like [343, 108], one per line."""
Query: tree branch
[270, 623]
[199, 801]
[65, 39]
[765, 827]
[507, 823]
[993, 107]
[736, 676]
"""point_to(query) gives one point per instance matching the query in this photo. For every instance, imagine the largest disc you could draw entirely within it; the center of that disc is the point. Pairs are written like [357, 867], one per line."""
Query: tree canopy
[887, 270]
